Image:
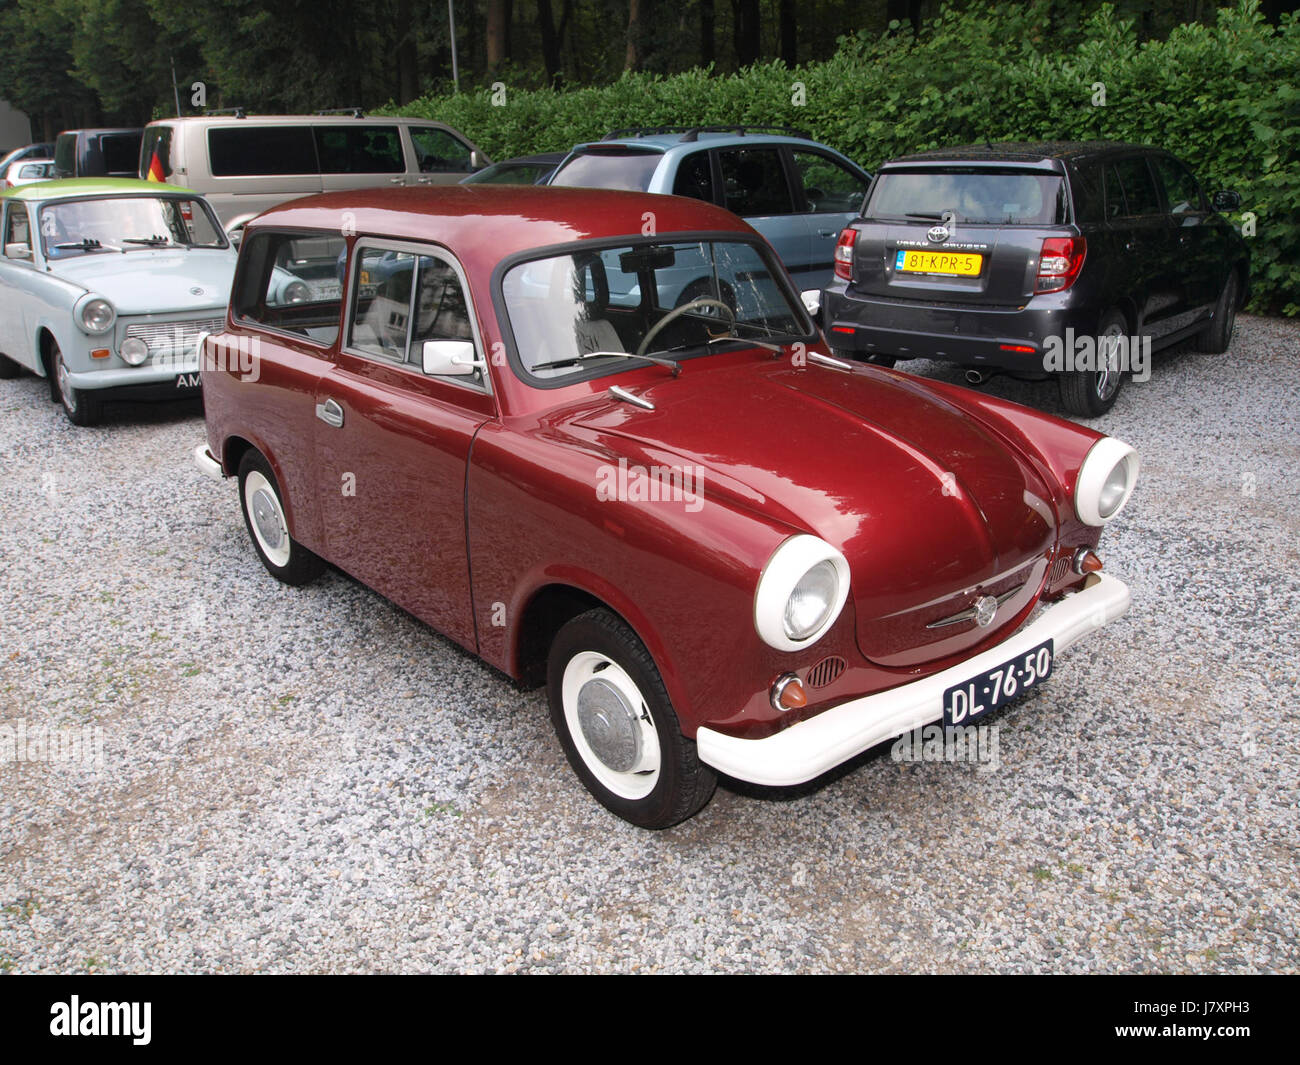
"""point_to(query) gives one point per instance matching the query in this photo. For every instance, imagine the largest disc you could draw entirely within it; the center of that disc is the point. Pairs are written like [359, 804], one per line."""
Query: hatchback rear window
[992, 197]
[609, 170]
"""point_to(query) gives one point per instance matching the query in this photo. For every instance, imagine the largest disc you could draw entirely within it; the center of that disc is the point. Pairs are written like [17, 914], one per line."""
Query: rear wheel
[1091, 393]
[1218, 334]
[8, 368]
[259, 496]
[617, 726]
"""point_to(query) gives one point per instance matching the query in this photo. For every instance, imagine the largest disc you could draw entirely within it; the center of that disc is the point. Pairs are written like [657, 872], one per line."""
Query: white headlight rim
[79, 313]
[1102, 459]
[789, 563]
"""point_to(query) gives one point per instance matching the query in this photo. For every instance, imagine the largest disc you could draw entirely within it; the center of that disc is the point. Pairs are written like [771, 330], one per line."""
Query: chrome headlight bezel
[789, 565]
[82, 308]
[1110, 467]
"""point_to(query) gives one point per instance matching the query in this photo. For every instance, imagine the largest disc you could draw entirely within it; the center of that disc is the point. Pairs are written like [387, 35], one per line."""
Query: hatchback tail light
[844, 254]
[1059, 263]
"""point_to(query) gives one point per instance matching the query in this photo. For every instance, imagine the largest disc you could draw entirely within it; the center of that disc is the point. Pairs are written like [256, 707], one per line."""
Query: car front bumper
[812, 747]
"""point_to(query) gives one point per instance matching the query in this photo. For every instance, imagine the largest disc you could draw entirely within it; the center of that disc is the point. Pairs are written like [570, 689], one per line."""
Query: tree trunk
[789, 33]
[550, 41]
[408, 55]
[498, 34]
[746, 35]
[707, 52]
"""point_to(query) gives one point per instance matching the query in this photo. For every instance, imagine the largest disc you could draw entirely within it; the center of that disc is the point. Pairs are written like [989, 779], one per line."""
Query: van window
[65, 155]
[289, 282]
[359, 150]
[437, 149]
[253, 151]
[119, 153]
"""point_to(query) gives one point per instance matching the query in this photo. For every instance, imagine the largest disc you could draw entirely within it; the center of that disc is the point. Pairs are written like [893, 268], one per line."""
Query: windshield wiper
[152, 241]
[85, 244]
[573, 360]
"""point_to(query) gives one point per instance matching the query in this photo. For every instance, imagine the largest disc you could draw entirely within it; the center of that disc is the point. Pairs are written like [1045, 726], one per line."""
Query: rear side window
[252, 151]
[694, 178]
[609, 170]
[1182, 191]
[289, 282]
[119, 153]
[1134, 178]
[359, 150]
[984, 197]
[753, 182]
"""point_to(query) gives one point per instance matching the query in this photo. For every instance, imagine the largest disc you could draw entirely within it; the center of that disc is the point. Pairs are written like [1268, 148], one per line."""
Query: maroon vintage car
[595, 438]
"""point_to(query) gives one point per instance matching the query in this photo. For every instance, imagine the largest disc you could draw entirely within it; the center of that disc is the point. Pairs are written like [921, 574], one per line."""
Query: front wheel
[1092, 392]
[617, 726]
[82, 408]
[1218, 334]
[259, 496]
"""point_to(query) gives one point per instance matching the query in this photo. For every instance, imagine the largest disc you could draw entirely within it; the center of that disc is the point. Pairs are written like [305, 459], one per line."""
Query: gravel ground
[277, 792]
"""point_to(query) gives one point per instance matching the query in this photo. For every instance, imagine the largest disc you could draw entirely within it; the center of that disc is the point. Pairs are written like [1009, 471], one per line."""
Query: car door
[1197, 259]
[17, 277]
[832, 196]
[360, 155]
[393, 443]
[1145, 246]
[439, 157]
[754, 184]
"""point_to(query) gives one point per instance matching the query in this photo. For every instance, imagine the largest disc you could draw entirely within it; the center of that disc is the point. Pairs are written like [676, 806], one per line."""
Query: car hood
[153, 282]
[931, 508]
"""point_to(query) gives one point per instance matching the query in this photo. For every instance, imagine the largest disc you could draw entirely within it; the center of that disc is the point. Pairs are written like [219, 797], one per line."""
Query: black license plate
[964, 703]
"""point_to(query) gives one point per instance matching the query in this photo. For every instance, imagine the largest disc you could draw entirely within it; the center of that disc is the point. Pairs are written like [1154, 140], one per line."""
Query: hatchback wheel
[1091, 393]
[1218, 334]
[617, 726]
[8, 368]
[259, 496]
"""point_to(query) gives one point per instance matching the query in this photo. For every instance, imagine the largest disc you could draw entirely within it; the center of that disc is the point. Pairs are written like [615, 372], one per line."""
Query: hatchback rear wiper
[573, 360]
[926, 216]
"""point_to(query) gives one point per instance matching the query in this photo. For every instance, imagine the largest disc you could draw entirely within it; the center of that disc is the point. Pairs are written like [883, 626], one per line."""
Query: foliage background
[1223, 96]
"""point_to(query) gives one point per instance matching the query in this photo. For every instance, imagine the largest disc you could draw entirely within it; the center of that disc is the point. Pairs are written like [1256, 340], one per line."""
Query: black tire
[1091, 393]
[703, 287]
[869, 358]
[8, 368]
[629, 711]
[284, 558]
[82, 408]
[1218, 334]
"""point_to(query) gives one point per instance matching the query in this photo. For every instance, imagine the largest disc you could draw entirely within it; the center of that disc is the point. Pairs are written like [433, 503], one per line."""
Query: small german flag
[155, 168]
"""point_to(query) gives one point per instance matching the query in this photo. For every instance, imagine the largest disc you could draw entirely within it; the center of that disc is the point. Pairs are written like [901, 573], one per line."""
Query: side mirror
[812, 302]
[1226, 201]
[18, 250]
[450, 358]
[476, 160]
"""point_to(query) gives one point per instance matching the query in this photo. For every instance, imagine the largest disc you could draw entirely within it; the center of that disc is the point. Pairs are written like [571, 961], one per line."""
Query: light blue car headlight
[94, 314]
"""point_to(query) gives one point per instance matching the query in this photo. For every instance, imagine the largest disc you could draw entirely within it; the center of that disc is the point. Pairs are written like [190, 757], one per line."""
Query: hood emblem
[985, 607]
[937, 234]
[983, 611]
[196, 291]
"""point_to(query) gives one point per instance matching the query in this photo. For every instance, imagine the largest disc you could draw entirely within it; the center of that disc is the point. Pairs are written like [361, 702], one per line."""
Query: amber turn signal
[788, 693]
[1085, 562]
[100, 353]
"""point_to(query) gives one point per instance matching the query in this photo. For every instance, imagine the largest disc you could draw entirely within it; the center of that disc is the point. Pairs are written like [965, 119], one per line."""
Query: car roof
[665, 142]
[73, 187]
[486, 223]
[245, 118]
[1017, 152]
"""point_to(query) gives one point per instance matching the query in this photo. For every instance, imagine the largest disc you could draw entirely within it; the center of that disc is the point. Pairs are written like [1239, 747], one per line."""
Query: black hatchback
[1068, 260]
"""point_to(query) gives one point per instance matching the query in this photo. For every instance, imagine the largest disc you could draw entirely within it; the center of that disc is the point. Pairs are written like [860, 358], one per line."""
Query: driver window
[17, 228]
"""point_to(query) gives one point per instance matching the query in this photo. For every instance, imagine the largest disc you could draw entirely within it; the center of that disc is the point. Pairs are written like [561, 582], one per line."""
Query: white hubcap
[1108, 362]
[610, 724]
[269, 526]
[65, 386]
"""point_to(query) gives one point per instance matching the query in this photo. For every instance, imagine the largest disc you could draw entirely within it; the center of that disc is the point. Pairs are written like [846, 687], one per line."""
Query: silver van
[244, 164]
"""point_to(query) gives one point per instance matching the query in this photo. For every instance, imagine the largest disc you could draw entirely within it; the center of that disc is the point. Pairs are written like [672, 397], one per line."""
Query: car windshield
[126, 223]
[609, 169]
[1010, 197]
[674, 300]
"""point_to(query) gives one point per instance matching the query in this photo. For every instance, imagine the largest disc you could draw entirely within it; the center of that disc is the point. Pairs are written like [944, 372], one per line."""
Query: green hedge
[1224, 97]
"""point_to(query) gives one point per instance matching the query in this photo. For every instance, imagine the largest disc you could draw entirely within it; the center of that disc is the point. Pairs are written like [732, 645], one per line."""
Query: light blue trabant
[105, 286]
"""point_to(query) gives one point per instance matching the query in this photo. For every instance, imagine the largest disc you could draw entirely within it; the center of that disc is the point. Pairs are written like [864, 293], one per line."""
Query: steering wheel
[677, 312]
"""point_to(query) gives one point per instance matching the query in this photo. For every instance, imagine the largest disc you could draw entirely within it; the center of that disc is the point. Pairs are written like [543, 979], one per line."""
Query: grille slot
[1060, 568]
[827, 671]
[162, 336]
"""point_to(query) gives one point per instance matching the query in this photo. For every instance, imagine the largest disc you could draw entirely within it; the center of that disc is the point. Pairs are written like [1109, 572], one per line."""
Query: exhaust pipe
[976, 378]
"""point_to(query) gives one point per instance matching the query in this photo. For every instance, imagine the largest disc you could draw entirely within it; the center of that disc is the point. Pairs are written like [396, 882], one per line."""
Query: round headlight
[134, 351]
[97, 315]
[296, 292]
[800, 593]
[1106, 480]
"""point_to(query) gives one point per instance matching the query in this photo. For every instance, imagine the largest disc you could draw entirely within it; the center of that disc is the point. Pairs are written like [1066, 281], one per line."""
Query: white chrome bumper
[812, 747]
[204, 461]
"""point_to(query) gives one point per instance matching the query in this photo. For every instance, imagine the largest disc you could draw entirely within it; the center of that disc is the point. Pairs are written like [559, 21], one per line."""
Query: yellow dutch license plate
[957, 263]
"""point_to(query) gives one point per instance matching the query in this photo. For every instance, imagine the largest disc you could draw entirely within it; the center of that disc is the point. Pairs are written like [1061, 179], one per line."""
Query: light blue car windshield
[125, 223]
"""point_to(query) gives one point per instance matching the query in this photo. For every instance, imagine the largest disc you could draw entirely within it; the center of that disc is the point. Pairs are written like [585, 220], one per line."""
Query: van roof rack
[692, 133]
[238, 112]
[355, 112]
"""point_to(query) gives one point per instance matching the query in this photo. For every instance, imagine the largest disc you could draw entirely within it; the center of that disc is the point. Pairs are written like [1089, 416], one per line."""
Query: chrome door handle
[330, 413]
[826, 232]
[396, 181]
